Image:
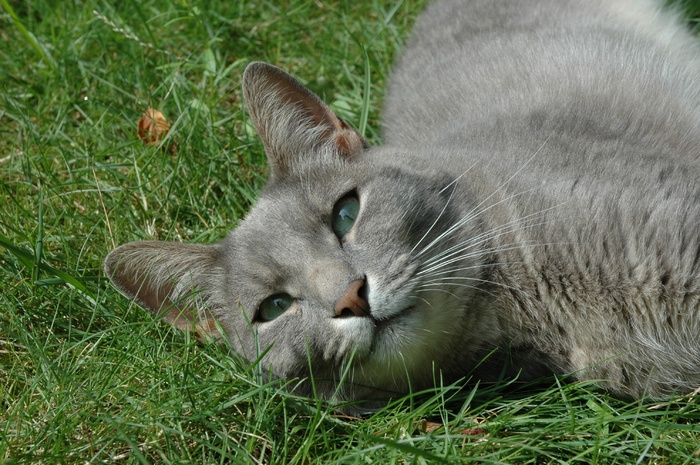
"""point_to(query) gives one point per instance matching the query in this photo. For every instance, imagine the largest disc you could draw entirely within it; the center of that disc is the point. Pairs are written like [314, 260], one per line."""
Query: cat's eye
[274, 306]
[344, 214]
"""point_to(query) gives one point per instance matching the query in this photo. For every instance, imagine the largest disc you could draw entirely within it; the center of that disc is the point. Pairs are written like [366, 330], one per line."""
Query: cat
[534, 209]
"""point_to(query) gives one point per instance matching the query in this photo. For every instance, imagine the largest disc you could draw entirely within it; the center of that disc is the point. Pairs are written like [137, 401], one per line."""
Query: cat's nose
[353, 302]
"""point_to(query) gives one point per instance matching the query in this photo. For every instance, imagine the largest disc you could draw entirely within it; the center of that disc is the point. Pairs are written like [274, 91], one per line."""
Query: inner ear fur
[291, 120]
[172, 280]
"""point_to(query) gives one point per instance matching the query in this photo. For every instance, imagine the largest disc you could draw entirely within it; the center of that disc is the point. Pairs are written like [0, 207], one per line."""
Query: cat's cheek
[388, 301]
[390, 292]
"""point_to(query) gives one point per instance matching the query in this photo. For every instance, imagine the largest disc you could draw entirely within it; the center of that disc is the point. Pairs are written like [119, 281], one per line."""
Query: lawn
[88, 377]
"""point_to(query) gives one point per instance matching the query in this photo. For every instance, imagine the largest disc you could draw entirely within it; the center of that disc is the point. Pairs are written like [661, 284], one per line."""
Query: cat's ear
[172, 280]
[292, 121]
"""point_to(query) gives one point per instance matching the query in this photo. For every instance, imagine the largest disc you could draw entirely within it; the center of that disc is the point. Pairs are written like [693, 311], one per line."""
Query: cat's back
[476, 70]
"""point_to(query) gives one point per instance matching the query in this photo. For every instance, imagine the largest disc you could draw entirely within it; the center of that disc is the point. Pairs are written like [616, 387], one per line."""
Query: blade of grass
[28, 36]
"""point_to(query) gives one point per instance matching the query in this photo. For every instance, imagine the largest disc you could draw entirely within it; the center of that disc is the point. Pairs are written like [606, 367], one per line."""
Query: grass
[88, 377]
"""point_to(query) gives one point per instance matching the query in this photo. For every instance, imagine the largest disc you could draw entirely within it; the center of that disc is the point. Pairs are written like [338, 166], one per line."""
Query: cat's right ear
[292, 121]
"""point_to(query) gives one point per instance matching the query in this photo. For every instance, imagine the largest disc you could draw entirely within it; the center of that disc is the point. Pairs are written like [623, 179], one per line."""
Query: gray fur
[537, 196]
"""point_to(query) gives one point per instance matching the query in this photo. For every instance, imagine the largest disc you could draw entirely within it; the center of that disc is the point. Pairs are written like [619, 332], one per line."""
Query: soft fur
[535, 208]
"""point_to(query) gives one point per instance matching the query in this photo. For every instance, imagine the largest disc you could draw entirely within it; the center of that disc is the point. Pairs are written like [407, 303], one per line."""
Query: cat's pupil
[344, 214]
[274, 306]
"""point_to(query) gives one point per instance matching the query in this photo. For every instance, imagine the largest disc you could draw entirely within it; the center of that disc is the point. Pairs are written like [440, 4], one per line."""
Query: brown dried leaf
[153, 127]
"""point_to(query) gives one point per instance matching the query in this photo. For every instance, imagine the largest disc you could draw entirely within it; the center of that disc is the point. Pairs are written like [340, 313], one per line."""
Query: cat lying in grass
[534, 209]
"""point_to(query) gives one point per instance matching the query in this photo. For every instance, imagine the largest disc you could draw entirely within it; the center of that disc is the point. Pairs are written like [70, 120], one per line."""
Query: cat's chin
[386, 352]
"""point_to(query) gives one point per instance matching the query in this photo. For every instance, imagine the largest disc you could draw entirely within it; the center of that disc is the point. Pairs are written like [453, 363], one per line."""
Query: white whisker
[521, 223]
[475, 212]
[480, 253]
[476, 280]
[454, 183]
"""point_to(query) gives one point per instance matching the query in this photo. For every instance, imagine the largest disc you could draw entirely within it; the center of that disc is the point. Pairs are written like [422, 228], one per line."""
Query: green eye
[274, 306]
[345, 214]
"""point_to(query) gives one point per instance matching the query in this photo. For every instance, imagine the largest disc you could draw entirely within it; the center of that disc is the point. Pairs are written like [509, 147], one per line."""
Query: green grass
[88, 377]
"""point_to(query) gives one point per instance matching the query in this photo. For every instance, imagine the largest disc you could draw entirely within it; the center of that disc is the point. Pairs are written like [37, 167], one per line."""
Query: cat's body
[536, 196]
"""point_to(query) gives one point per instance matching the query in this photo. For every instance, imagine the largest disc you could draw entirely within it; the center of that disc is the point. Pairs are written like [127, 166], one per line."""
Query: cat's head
[353, 264]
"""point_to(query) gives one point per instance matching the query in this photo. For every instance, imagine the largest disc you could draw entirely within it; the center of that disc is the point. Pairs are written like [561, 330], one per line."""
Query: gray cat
[535, 209]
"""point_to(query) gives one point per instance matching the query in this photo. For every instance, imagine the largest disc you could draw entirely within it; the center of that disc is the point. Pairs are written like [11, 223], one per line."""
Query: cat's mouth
[384, 321]
[386, 330]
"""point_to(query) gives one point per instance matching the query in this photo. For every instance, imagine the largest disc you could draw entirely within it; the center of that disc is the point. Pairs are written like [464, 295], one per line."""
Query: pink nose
[351, 303]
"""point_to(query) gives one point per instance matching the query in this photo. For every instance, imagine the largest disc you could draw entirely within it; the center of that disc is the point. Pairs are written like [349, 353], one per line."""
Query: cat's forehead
[319, 182]
[287, 225]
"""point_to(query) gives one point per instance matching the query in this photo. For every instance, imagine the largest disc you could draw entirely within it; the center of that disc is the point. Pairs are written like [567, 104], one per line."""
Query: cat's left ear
[176, 281]
[292, 121]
